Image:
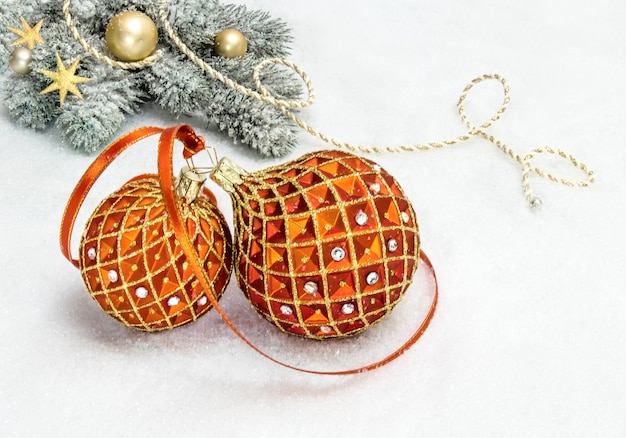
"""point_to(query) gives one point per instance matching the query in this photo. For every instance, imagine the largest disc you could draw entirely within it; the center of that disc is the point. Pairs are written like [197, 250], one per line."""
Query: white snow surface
[529, 338]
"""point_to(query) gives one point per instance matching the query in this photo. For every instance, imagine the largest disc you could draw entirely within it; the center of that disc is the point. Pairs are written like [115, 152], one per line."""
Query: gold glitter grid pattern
[131, 236]
[289, 218]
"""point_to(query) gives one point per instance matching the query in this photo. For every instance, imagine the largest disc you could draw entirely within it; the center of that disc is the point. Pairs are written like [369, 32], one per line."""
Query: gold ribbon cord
[286, 107]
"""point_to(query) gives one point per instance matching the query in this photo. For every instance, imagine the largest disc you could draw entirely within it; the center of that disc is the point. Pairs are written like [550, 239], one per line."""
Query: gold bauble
[230, 43]
[19, 61]
[131, 36]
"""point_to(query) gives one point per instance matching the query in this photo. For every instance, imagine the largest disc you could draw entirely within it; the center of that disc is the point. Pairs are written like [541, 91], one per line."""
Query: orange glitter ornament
[133, 266]
[329, 241]
[129, 256]
[326, 245]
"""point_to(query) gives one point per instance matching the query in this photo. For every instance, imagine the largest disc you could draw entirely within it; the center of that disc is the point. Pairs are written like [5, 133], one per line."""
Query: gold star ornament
[27, 34]
[64, 79]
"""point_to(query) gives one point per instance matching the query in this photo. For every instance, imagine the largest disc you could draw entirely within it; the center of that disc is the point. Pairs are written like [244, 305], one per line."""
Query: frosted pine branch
[174, 82]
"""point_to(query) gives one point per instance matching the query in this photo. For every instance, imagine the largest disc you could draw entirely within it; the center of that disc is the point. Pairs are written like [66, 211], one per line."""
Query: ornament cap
[228, 174]
[190, 184]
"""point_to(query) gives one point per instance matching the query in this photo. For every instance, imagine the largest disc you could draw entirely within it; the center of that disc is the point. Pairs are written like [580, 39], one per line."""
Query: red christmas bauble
[326, 244]
[133, 265]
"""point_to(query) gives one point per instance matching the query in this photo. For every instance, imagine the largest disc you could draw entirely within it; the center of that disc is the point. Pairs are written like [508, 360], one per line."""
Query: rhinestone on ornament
[405, 217]
[310, 287]
[338, 254]
[347, 308]
[91, 253]
[113, 277]
[332, 238]
[372, 278]
[392, 245]
[361, 218]
[139, 289]
[141, 292]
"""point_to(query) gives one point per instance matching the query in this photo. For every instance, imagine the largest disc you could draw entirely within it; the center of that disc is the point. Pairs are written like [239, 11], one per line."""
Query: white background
[530, 333]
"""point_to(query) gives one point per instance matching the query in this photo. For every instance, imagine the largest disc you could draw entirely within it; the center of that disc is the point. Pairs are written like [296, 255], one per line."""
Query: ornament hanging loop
[192, 177]
[203, 170]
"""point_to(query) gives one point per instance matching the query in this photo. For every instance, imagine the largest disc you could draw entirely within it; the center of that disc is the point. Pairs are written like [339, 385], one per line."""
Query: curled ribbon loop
[166, 174]
[194, 144]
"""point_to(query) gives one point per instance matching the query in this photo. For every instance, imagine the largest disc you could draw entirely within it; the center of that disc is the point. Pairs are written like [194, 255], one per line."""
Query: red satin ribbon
[89, 178]
[193, 144]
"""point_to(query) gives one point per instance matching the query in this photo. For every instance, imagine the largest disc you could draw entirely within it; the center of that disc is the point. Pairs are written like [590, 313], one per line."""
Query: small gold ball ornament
[230, 43]
[131, 36]
[20, 59]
